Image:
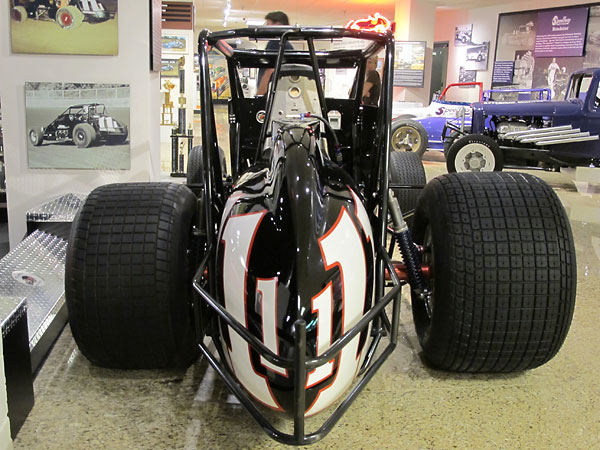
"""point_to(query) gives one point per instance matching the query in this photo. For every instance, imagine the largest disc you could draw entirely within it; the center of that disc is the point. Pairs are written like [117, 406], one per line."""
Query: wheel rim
[80, 136]
[406, 139]
[32, 136]
[66, 19]
[475, 157]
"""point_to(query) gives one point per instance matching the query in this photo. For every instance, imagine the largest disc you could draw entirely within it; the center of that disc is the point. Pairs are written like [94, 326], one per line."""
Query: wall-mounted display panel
[83, 27]
[77, 126]
[546, 46]
[409, 63]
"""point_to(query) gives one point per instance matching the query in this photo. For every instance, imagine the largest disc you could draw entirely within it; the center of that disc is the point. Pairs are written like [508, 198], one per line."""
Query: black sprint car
[279, 274]
[84, 125]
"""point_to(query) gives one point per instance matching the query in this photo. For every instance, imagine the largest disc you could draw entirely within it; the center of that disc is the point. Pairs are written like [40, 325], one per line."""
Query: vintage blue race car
[548, 134]
[417, 129]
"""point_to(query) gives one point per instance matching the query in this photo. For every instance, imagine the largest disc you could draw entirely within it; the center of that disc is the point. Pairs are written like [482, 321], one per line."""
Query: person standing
[372, 86]
[552, 69]
[274, 18]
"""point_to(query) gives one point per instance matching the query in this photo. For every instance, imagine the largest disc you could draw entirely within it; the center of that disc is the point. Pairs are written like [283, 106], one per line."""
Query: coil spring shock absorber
[410, 255]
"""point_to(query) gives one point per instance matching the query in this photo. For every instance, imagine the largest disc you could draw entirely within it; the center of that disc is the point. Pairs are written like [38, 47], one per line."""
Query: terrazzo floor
[406, 405]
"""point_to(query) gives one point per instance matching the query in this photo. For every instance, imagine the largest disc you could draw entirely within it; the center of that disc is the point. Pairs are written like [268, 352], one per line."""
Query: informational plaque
[561, 32]
[409, 63]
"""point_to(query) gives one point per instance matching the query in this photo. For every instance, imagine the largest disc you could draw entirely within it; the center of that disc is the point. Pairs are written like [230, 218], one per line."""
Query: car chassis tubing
[205, 282]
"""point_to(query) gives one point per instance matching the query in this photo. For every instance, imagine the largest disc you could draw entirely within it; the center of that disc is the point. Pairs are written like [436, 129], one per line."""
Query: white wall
[26, 187]
[415, 21]
[485, 25]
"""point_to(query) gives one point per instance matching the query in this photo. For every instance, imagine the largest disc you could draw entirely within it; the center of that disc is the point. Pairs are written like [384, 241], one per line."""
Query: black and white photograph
[524, 65]
[515, 32]
[592, 45]
[466, 76]
[554, 73]
[477, 56]
[77, 126]
[462, 35]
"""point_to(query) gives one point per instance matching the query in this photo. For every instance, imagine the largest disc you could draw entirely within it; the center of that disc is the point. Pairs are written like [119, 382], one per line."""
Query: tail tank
[295, 243]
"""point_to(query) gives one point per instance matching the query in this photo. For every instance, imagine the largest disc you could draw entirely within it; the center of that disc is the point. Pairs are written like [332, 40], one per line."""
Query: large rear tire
[128, 276]
[195, 175]
[502, 260]
[407, 169]
[84, 135]
[409, 136]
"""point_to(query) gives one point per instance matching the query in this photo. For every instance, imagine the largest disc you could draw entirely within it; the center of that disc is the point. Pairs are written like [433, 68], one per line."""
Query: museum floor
[406, 406]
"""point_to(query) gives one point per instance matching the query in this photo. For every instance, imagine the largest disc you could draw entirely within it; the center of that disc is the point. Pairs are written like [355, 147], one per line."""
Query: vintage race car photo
[285, 274]
[66, 13]
[84, 125]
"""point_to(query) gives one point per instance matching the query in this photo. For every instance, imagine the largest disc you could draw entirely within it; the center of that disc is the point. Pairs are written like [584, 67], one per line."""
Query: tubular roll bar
[300, 363]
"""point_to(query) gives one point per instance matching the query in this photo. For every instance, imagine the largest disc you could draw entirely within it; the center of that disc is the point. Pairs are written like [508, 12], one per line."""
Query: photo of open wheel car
[66, 13]
[281, 274]
[84, 125]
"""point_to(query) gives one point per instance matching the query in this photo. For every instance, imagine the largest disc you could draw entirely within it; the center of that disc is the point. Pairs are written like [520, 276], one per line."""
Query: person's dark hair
[278, 17]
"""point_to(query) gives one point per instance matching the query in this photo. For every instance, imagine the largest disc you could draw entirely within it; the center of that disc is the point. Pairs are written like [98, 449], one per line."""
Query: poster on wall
[76, 28]
[169, 67]
[409, 63]
[533, 40]
[219, 79]
[174, 44]
[466, 76]
[463, 34]
[77, 126]
[477, 56]
[561, 32]
[592, 45]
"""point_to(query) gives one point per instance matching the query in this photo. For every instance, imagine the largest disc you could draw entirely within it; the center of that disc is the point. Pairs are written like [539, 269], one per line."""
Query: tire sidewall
[432, 212]
[487, 145]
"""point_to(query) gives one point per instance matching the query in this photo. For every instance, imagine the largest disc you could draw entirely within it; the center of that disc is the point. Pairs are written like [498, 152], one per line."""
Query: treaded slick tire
[128, 280]
[194, 167]
[407, 168]
[504, 275]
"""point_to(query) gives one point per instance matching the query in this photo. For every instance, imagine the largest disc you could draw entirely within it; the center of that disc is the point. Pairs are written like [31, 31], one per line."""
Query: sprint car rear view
[280, 273]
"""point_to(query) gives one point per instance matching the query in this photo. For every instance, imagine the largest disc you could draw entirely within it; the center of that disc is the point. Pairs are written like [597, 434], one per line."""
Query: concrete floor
[406, 406]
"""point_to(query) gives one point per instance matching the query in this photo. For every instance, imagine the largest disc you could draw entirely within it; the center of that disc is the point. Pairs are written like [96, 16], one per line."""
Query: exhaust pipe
[515, 134]
[545, 134]
[583, 137]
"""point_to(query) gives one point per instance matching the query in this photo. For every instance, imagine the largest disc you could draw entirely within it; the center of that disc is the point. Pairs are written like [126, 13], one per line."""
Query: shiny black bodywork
[302, 191]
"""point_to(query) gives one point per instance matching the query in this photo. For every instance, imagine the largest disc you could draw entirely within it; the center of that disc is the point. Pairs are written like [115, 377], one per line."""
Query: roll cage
[364, 140]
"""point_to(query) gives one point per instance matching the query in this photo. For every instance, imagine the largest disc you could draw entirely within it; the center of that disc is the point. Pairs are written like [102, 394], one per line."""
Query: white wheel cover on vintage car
[475, 157]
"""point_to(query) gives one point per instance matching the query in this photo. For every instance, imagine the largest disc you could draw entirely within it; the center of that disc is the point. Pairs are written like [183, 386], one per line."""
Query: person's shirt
[272, 46]
[373, 97]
